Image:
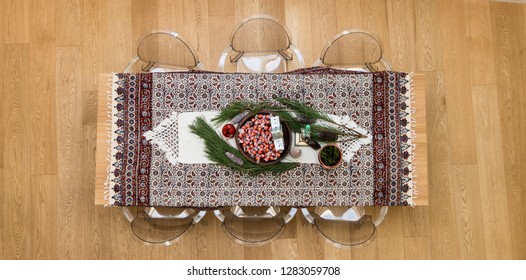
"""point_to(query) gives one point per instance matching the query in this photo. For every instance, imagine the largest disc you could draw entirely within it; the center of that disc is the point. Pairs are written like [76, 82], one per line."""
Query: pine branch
[303, 109]
[325, 127]
[231, 111]
[236, 108]
[216, 147]
[288, 118]
[285, 112]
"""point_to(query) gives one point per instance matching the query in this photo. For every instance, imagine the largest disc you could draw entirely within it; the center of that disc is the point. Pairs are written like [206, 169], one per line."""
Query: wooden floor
[473, 53]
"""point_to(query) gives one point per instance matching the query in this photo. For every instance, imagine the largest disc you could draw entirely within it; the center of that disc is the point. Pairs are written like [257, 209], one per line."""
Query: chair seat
[163, 51]
[356, 50]
[253, 225]
[255, 212]
[159, 231]
[262, 63]
[169, 213]
[341, 213]
[347, 233]
[160, 226]
[345, 226]
[165, 69]
[253, 231]
[260, 44]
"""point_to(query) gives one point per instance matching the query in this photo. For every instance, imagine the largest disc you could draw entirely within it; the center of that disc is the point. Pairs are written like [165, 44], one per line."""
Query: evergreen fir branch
[237, 107]
[326, 127]
[288, 118]
[216, 147]
[296, 126]
[302, 109]
[288, 113]
[232, 110]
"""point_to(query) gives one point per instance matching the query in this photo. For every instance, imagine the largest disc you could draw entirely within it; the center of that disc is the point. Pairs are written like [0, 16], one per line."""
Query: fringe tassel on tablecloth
[109, 192]
[412, 166]
[163, 136]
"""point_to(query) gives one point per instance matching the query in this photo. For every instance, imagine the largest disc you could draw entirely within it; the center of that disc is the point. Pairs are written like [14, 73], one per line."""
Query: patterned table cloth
[380, 173]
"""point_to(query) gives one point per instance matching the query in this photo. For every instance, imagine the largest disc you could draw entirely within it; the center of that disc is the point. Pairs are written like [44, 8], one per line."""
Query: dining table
[146, 154]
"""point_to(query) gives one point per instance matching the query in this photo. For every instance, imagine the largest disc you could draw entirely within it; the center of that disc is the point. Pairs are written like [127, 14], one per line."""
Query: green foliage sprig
[284, 109]
[237, 107]
[302, 109]
[330, 155]
[216, 147]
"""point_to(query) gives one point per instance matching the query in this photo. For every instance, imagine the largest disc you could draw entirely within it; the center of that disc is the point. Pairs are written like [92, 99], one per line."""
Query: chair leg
[307, 215]
[219, 215]
[237, 56]
[290, 215]
[148, 66]
[371, 67]
[286, 55]
[381, 216]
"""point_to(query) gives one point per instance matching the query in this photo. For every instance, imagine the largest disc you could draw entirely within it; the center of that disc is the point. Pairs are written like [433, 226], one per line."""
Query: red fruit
[228, 130]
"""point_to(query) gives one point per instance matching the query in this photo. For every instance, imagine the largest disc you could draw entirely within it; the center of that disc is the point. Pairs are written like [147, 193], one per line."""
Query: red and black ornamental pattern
[133, 157]
[378, 174]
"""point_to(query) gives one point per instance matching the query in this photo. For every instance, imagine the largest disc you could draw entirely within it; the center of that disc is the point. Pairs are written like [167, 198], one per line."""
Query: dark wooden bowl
[286, 139]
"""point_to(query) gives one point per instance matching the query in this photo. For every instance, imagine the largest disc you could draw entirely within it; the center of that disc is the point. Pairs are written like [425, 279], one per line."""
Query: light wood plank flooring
[473, 53]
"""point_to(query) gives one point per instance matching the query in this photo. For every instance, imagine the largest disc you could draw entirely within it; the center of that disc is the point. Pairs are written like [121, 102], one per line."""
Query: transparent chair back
[163, 51]
[254, 226]
[354, 49]
[260, 44]
[161, 226]
[345, 226]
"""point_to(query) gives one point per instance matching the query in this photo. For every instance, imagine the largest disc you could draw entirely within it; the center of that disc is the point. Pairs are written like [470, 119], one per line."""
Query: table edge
[420, 161]
[102, 148]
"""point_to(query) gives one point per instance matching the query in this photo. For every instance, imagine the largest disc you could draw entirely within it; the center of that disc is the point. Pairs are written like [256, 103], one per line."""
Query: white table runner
[174, 138]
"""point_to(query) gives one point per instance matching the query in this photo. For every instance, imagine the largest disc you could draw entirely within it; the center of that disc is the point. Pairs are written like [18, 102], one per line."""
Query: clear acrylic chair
[260, 44]
[354, 49]
[163, 51]
[345, 226]
[254, 226]
[160, 226]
